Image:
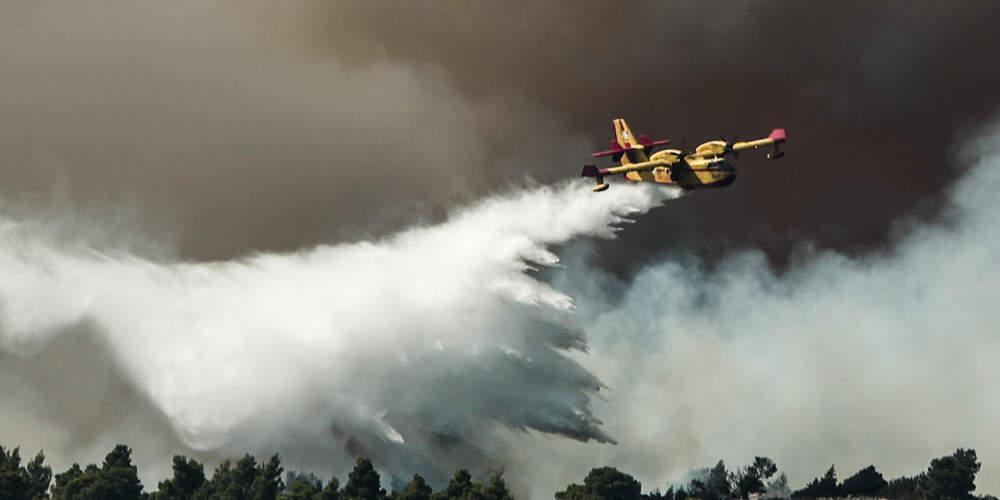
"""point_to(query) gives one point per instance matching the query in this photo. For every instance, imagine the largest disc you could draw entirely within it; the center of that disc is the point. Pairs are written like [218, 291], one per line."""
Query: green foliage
[458, 487]
[603, 483]
[416, 489]
[901, 488]
[715, 486]
[495, 488]
[301, 487]
[867, 482]
[61, 487]
[951, 477]
[267, 483]
[332, 490]
[363, 483]
[825, 486]
[188, 477]
[116, 479]
[27, 482]
[245, 481]
[657, 495]
[39, 477]
[750, 479]
[214, 487]
[239, 479]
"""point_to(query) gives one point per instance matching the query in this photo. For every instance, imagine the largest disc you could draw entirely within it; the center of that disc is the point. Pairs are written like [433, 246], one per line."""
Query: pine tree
[332, 490]
[460, 486]
[188, 476]
[866, 482]
[363, 483]
[952, 476]
[820, 487]
[416, 489]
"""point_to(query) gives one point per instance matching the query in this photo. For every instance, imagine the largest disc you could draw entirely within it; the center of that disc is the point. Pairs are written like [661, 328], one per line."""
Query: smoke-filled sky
[342, 120]
[192, 191]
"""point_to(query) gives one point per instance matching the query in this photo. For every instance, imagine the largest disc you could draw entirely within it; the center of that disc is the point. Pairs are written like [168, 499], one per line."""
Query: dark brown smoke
[873, 94]
[245, 127]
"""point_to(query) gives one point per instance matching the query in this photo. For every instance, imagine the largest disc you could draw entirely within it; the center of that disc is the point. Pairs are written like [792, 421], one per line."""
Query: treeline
[116, 478]
[948, 477]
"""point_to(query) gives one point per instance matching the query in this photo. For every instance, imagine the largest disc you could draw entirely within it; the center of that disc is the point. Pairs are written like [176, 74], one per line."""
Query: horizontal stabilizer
[645, 143]
[609, 152]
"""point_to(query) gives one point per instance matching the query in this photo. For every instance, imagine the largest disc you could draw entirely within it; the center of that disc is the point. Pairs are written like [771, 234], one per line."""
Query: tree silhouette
[301, 487]
[116, 479]
[495, 488]
[751, 478]
[267, 482]
[363, 483]
[188, 476]
[460, 486]
[332, 490]
[416, 489]
[901, 488]
[825, 486]
[715, 486]
[867, 482]
[27, 482]
[680, 494]
[951, 477]
[603, 483]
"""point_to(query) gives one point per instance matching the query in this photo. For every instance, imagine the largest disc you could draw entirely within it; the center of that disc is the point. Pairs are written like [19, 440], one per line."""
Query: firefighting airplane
[704, 167]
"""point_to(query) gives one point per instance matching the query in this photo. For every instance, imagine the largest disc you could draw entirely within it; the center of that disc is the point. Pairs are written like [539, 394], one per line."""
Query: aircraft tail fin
[623, 135]
[633, 148]
[626, 148]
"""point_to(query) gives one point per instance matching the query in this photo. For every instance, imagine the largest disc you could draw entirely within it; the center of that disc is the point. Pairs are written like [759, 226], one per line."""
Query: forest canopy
[116, 478]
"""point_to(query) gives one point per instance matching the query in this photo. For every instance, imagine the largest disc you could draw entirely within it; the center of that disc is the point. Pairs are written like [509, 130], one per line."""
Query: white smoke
[888, 359]
[411, 350]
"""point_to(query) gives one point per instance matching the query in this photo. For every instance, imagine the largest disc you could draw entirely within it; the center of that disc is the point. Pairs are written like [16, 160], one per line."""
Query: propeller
[684, 147]
[729, 145]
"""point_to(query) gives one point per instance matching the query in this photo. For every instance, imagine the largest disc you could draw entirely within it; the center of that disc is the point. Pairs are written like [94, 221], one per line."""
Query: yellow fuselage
[701, 169]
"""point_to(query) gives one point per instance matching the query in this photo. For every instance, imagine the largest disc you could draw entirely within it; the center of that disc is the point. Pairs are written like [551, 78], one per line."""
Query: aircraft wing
[593, 171]
[720, 148]
[776, 137]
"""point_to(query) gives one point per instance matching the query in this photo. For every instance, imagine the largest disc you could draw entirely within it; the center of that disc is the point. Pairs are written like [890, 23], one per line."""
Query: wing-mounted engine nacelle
[710, 148]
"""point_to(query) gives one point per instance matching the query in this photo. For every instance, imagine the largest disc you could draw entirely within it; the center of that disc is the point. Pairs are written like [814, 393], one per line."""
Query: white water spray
[391, 345]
